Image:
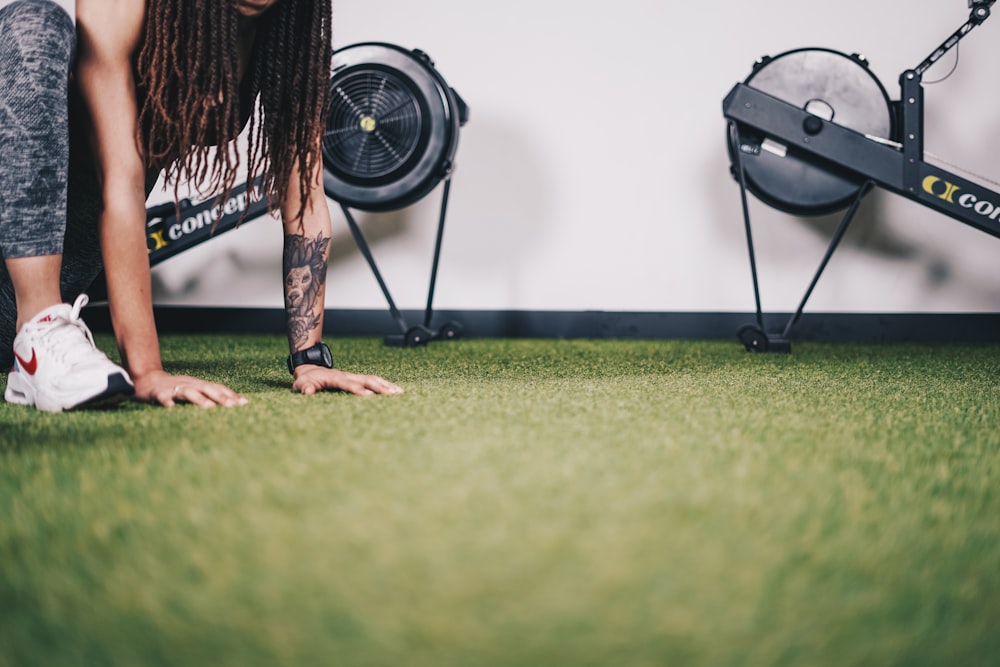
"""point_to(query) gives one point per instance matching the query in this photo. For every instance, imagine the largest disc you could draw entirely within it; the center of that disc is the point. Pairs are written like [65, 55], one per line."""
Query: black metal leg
[757, 339]
[429, 312]
[834, 242]
[359, 238]
[754, 337]
[735, 141]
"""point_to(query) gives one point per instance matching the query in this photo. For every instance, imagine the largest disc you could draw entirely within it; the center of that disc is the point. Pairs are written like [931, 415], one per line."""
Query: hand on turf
[168, 390]
[310, 379]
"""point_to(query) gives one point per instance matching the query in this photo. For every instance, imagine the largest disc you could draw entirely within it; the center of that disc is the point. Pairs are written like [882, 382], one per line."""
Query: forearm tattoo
[304, 269]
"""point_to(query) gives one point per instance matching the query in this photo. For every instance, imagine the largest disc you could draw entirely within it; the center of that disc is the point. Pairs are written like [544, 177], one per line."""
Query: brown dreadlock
[187, 68]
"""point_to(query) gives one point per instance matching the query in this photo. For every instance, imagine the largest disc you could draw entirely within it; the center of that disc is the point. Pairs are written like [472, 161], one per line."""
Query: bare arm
[109, 34]
[306, 253]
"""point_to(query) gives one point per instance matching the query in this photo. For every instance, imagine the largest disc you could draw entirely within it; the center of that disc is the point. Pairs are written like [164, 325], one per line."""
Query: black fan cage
[392, 127]
[376, 129]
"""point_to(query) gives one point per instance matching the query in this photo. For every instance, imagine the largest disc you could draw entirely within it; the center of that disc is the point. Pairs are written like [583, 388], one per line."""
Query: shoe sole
[20, 392]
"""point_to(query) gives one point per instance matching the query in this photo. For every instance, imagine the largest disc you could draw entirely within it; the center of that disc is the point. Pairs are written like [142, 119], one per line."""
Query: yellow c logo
[940, 189]
[158, 240]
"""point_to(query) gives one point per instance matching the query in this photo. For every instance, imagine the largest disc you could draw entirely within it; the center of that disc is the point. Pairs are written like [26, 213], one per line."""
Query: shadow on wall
[498, 204]
[500, 197]
[495, 217]
[377, 228]
[899, 235]
[870, 232]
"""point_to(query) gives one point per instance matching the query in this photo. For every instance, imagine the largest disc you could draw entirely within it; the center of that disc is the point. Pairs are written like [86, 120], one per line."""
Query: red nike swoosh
[29, 366]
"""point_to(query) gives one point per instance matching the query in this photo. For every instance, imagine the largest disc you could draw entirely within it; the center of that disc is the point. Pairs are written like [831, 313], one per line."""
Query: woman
[155, 85]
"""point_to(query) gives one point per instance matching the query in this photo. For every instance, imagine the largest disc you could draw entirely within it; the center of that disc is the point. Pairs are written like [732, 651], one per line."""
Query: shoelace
[63, 335]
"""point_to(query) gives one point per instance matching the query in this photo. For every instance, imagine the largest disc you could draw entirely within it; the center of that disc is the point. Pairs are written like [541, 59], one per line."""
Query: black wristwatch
[318, 355]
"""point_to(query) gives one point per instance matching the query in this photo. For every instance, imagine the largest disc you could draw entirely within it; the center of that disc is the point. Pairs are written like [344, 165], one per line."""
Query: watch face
[327, 357]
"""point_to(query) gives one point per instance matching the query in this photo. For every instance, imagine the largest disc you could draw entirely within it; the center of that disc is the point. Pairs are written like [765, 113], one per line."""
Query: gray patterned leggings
[40, 171]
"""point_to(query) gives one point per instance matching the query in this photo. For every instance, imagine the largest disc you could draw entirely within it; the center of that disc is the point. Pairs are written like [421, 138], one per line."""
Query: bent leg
[37, 40]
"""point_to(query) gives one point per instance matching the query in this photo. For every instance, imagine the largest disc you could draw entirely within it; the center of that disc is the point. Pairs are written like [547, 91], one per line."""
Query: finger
[347, 383]
[341, 384]
[355, 384]
[383, 386]
[169, 396]
[305, 388]
[165, 397]
[209, 396]
[222, 395]
[360, 389]
[359, 385]
[377, 384]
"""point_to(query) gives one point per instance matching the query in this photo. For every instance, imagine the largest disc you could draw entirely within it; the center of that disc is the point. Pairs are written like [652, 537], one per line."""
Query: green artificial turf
[524, 503]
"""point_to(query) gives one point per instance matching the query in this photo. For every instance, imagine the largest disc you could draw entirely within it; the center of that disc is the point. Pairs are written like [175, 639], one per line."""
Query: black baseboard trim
[827, 327]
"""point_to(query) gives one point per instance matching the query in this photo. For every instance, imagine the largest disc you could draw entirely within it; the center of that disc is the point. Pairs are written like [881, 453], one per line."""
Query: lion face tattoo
[304, 267]
[299, 287]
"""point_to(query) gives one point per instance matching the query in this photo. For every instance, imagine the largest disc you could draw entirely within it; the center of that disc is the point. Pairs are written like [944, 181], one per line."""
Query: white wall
[593, 174]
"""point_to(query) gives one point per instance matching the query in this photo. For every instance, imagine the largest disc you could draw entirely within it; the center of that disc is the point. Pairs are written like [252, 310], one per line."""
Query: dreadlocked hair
[188, 69]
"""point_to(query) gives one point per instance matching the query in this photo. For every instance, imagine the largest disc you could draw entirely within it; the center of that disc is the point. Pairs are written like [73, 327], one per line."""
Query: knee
[44, 22]
[47, 12]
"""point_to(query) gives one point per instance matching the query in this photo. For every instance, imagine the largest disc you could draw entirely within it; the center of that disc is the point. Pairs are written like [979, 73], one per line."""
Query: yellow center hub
[368, 124]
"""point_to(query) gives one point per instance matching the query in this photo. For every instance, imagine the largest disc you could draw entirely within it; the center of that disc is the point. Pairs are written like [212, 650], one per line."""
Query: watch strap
[318, 355]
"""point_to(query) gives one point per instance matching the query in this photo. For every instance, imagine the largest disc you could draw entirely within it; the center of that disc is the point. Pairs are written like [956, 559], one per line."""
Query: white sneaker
[57, 366]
